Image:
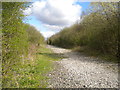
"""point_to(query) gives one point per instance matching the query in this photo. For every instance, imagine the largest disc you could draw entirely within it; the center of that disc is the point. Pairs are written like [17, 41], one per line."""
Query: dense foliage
[97, 31]
[16, 37]
[34, 36]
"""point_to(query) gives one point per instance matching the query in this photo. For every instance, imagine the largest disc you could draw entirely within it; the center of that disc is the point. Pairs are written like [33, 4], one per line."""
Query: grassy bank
[31, 74]
[92, 53]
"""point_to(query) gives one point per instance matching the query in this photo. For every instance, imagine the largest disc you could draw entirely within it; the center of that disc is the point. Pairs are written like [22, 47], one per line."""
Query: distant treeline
[16, 40]
[97, 31]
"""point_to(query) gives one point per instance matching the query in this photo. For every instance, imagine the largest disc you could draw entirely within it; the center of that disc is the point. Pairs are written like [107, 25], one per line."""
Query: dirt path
[79, 71]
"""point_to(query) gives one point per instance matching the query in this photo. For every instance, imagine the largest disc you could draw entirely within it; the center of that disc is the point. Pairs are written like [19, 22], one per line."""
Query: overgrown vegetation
[32, 74]
[34, 36]
[14, 44]
[25, 60]
[20, 42]
[97, 32]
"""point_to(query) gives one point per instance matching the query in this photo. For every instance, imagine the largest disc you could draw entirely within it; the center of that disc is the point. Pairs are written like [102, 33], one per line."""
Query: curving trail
[79, 71]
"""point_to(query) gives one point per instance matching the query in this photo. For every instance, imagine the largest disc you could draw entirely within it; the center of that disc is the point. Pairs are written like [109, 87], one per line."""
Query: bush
[98, 30]
[16, 39]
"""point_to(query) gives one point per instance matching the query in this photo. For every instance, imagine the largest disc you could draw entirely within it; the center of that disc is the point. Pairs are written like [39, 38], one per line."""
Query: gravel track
[80, 71]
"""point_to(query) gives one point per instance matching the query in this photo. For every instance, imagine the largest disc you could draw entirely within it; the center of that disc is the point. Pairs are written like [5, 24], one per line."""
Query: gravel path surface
[79, 71]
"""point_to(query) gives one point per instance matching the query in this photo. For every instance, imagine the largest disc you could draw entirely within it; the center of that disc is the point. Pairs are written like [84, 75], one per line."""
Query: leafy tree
[34, 36]
[98, 30]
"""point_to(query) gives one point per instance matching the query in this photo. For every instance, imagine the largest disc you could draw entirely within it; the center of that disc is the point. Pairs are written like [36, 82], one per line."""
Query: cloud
[55, 14]
[47, 34]
[53, 27]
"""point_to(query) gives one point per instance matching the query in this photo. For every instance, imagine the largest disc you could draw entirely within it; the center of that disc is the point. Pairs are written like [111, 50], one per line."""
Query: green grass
[33, 73]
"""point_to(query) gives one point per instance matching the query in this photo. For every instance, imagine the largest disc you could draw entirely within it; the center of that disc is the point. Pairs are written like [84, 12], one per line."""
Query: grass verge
[31, 74]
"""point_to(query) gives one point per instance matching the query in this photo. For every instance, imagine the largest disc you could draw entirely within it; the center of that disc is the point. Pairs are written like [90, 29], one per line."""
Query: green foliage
[34, 36]
[97, 31]
[16, 37]
[32, 74]
[67, 38]
[14, 44]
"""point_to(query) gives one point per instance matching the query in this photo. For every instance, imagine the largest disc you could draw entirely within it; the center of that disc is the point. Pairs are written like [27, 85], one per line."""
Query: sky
[51, 16]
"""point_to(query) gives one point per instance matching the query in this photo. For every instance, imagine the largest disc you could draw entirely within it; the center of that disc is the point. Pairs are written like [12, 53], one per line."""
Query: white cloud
[47, 34]
[55, 14]
[53, 27]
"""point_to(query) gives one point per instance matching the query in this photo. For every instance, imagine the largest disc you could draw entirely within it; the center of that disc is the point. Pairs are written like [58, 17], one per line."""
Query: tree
[14, 44]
